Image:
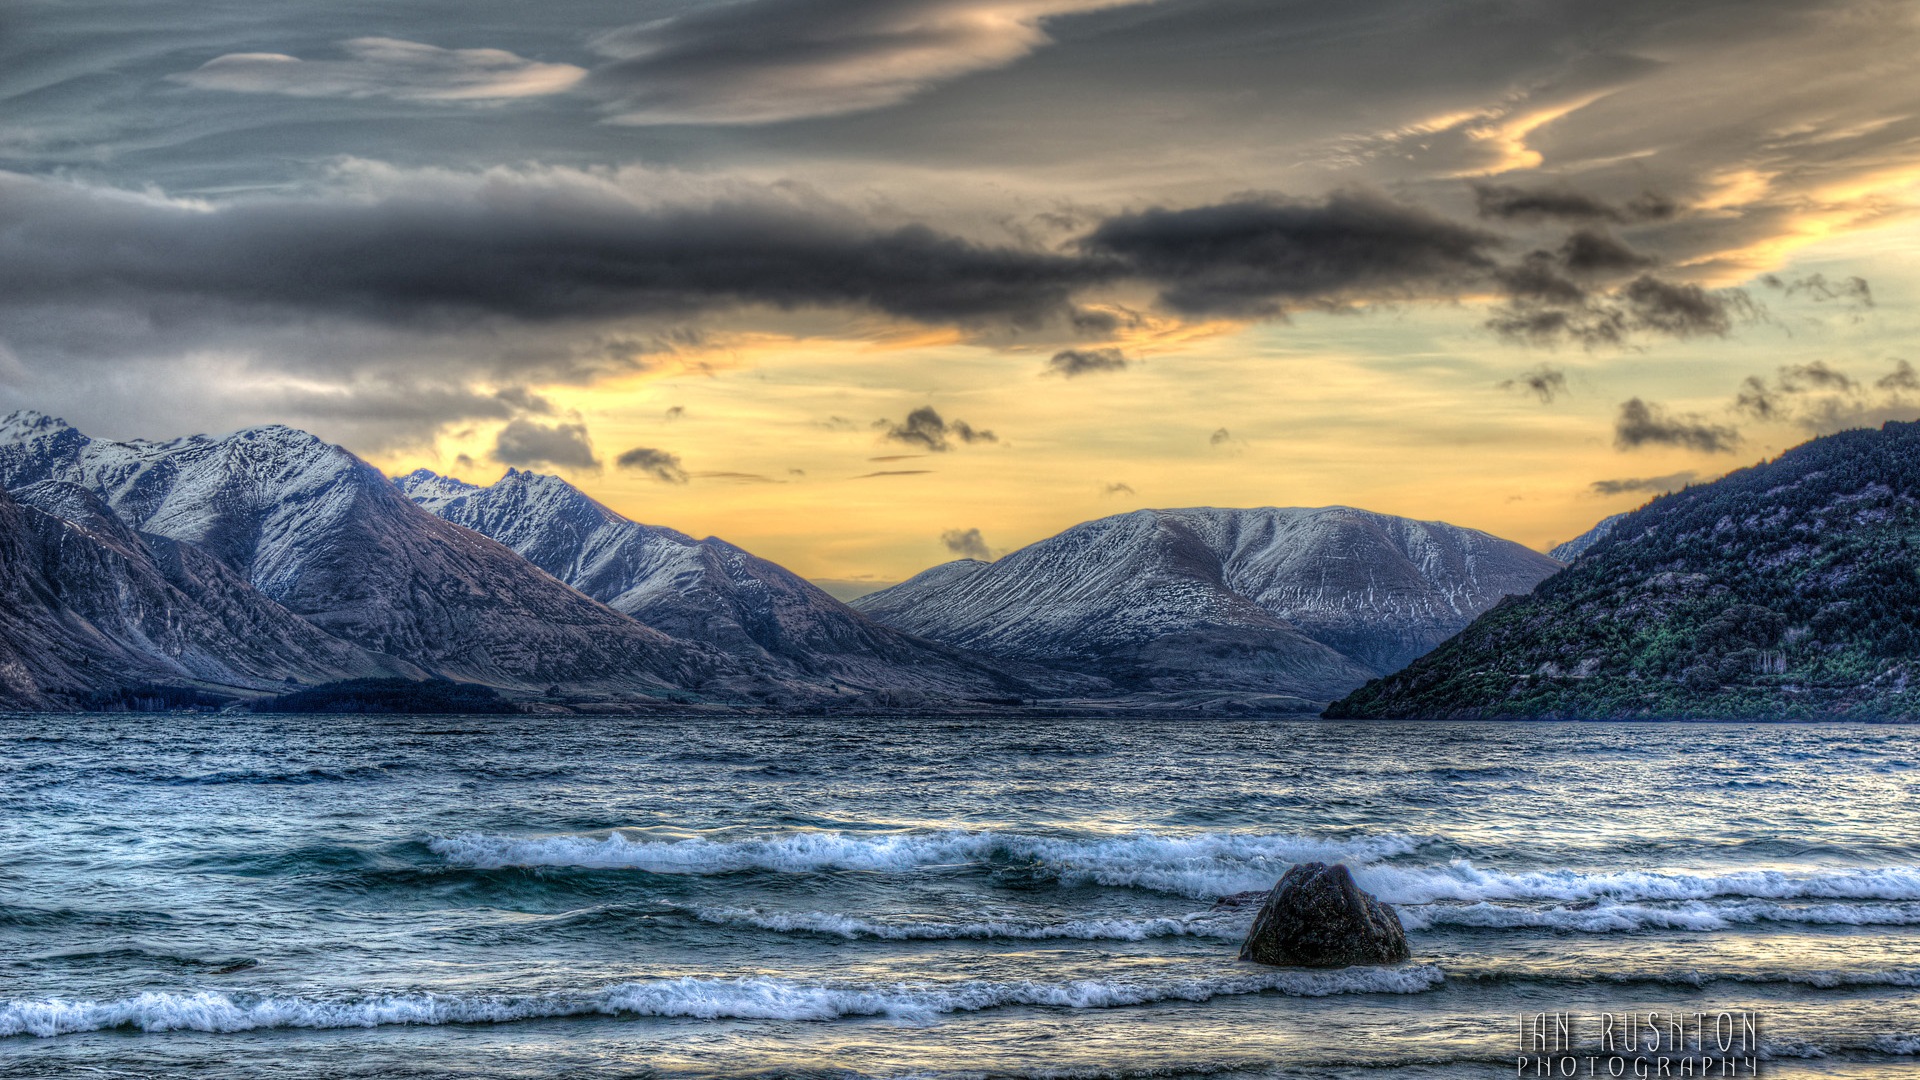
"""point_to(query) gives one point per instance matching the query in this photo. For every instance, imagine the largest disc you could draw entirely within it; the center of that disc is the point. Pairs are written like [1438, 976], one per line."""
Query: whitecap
[700, 998]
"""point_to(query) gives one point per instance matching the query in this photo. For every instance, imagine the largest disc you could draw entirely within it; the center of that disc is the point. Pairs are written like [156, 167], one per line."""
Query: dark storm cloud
[925, 427]
[461, 262]
[529, 443]
[966, 543]
[1643, 423]
[659, 464]
[1545, 382]
[1507, 202]
[521, 247]
[1253, 256]
[1071, 363]
[1650, 485]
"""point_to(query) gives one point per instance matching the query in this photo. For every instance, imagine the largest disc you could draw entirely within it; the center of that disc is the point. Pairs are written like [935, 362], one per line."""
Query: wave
[1199, 866]
[351, 775]
[701, 998]
[1607, 918]
[1096, 929]
[1821, 980]
[1461, 880]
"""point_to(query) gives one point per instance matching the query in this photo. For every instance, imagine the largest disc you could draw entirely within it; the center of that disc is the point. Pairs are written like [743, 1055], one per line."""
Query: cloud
[1507, 202]
[1643, 423]
[1220, 437]
[1254, 256]
[893, 472]
[1822, 399]
[1589, 251]
[431, 249]
[1854, 291]
[1818, 376]
[1070, 363]
[737, 478]
[1645, 305]
[766, 61]
[966, 543]
[1650, 485]
[1117, 488]
[659, 464]
[1901, 379]
[389, 68]
[1544, 382]
[924, 427]
[531, 444]
[675, 412]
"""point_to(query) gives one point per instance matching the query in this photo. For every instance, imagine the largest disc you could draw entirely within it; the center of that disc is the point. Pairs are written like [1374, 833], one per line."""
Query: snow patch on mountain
[1309, 601]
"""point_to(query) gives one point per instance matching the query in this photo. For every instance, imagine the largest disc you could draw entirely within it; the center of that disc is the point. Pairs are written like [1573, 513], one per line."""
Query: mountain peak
[28, 423]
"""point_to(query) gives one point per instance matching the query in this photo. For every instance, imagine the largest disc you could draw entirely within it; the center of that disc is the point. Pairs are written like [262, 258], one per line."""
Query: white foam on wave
[1461, 880]
[1095, 929]
[1608, 918]
[700, 998]
[1820, 979]
[1200, 865]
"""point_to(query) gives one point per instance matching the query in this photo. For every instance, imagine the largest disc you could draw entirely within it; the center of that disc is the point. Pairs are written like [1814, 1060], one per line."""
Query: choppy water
[533, 897]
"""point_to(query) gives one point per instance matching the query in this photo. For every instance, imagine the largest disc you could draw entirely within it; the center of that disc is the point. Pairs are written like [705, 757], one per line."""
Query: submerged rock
[1317, 917]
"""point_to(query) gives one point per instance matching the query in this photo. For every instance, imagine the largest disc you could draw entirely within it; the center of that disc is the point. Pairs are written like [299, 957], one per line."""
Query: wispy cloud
[766, 61]
[390, 68]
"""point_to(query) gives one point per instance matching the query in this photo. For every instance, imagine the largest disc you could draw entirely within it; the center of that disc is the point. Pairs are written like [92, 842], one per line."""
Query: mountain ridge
[1295, 600]
[707, 590]
[1790, 589]
[328, 537]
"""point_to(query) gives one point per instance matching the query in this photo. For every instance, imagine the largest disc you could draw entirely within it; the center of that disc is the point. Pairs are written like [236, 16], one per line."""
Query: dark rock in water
[1317, 917]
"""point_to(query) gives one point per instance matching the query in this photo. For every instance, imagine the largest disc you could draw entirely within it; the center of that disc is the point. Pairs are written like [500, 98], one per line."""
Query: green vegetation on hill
[390, 696]
[1788, 590]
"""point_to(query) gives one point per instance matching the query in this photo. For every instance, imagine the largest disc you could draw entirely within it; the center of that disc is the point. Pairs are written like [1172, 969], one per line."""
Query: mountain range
[249, 563]
[1789, 589]
[772, 620]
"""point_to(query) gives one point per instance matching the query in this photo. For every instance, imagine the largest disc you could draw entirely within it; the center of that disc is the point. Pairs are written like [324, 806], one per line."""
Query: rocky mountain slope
[1308, 602]
[1578, 546]
[707, 591]
[329, 538]
[91, 607]
[1790, 589]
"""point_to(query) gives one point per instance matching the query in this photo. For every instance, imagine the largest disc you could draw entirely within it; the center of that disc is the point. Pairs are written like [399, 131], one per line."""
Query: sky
[867, 285]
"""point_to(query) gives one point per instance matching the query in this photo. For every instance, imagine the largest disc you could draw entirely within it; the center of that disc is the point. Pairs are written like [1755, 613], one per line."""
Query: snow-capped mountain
[1578, 546]
[92, 607]
[332, 540]
[703, 590]
[1305, 601]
